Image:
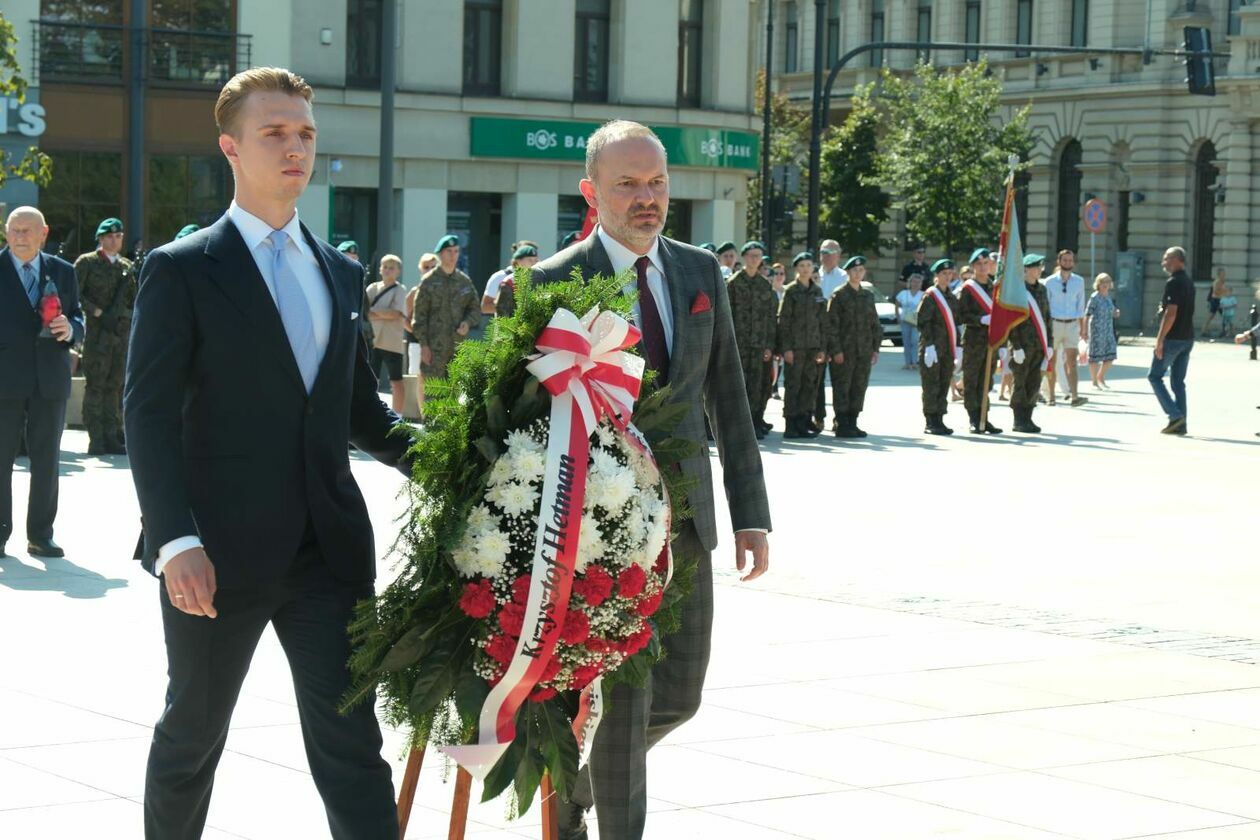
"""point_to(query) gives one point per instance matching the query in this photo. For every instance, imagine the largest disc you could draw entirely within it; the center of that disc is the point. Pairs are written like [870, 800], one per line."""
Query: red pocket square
[700, 304]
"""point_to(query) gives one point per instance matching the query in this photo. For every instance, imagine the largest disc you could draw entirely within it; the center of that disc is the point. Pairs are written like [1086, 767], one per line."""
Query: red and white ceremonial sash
[582, 364]
[948, 315]
[981, 296]
[1039, 324]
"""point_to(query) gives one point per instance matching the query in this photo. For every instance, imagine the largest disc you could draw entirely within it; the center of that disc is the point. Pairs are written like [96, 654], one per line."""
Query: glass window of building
[483, 45]
[1206, 175]
[185, 189]
[354, 217]
[81, 40]
[877, 31]
[591, 49]
[1068, 229]
[1023, 25]
[192, 41]
[833, 32]
[1080, 22]
[690, 52]
[363, 43]
[791, 38]
[924, 26]
[86, 187]
[1234, 26]
[971, 29]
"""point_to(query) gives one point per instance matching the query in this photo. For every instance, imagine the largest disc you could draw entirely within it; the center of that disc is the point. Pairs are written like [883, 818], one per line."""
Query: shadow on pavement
[58, 575]
[828, 441]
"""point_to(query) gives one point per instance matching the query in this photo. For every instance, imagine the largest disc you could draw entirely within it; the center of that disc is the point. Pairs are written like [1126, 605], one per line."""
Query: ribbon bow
[587, 359]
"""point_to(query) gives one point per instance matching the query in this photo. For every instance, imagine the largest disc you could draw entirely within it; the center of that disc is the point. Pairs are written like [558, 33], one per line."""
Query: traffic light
[1200, 74]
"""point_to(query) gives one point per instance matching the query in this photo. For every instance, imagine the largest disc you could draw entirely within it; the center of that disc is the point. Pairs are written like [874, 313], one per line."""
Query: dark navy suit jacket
[31, 366]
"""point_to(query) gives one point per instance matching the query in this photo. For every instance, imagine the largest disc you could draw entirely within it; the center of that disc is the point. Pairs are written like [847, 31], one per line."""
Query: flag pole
[1003, 255]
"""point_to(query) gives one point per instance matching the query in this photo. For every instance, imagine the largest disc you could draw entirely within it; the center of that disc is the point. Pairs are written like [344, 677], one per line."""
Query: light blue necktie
[31, 283]
[295, 312]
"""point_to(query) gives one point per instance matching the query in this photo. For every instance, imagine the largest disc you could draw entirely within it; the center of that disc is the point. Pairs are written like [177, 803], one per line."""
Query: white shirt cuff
[172, 549]
[753, 530]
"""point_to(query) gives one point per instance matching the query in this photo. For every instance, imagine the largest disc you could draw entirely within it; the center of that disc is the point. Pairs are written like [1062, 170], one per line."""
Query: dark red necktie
[654, 347]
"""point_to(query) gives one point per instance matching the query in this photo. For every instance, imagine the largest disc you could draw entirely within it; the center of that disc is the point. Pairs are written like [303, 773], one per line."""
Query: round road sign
[1095, 216]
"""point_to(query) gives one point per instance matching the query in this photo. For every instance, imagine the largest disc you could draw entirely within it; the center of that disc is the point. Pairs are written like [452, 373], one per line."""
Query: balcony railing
[95, 53]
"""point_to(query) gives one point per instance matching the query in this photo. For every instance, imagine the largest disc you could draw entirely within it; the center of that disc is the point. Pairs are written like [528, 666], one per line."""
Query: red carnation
[637, 641]
[477, 600]
[649, 605]
[661, 566]
[550, 670]
[520, 589]
[501, 648]
[577, 628]
[540, 695]
[595, 645]
[582, 677]
[594, 586]
[631, 581]
[512, 618]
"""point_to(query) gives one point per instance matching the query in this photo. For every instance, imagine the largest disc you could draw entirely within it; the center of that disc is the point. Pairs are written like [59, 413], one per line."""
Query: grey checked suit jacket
[704, 372]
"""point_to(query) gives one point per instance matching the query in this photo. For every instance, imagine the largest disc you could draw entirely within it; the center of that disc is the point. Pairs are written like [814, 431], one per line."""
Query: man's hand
[426, 355]
[60, 328]
[1019, 355]
[789, 357]
[1241, 338]
[875, 358]
[190, 582]
[766, 356]
[1159, 349]
[985, 320]
[462, 329]
[929, 356]
[96, 312]
[838, 358]
[756, 544]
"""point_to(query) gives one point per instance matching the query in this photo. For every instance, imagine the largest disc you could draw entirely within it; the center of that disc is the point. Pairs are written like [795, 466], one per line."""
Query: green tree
[945, 152]
[789, 146]
[35, 165]
[853, 204]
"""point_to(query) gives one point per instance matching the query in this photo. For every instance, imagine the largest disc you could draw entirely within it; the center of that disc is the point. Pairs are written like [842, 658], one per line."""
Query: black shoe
[116, 448]
[936, 425]
[5, 553]
[763, 425]
[44, 548]
[1024, 423]
[96, 449]
[854, 431]
[1175, 427]
[570, 820]
[990, 429]
[973, 424]
[794, 430]
[759, 433]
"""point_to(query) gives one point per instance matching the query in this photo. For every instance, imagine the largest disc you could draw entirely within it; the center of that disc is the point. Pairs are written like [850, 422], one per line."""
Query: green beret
[709, 246]
[110, 225]
[750, 245]
[728, 245]
[979, 254]
[348, 247]
[448, 241]
[854, 262]
[187, 229]
[802, 256]
[570, 238]
[942, 265]
[1031, 260]
[525, 251]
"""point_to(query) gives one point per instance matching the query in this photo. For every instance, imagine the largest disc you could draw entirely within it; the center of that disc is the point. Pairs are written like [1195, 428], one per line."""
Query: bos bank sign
[561, 140]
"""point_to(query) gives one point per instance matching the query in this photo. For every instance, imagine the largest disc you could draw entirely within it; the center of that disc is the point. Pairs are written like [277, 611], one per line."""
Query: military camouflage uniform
[443, 302]
[506, 304]
[933, 332]
[800, 330]
[853, 329]
[1027, 377]
[754, 309]
[975, 348]
[111, 288]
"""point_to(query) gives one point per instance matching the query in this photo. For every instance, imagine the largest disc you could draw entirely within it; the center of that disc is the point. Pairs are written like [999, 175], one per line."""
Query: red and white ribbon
[1039, 324]
[982, 297]
[583, 365]
[947, 315]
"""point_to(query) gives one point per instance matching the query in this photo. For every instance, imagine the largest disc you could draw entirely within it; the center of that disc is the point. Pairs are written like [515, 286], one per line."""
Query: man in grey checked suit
[689, 339]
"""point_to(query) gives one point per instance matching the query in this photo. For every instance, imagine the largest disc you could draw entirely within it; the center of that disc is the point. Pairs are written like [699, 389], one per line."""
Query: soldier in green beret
[187, 230]
[525, 256]
[975, 309]
[446, 309]
[1032, 343]
[107, 290]
[569, 239]
[800, 342]
[708, 246]
[754, 309]
[853, 338]
[938, 347]
[726, 258]
[350, 248]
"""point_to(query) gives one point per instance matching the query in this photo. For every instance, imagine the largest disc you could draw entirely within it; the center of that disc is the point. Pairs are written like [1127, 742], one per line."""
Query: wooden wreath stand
[459, 805]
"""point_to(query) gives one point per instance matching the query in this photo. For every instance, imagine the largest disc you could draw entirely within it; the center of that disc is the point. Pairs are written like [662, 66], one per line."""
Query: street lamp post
[389, 79]
[819, 117]
[767, 227]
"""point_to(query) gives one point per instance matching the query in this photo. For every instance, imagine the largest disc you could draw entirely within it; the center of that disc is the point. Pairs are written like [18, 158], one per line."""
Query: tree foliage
[944, 152]
[34, 166]
[853, 205]
[789, 146]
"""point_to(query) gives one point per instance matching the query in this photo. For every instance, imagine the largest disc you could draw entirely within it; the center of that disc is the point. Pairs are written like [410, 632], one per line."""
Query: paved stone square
[1007, 638]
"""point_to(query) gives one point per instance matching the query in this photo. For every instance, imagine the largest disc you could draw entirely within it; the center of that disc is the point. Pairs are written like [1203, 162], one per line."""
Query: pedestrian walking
[1100, 331]
[1031, 348]
[1175, 341]
[754, 311]
[107, 289]
[938, 349]
[799, 342]
[907, 305]
[853, 338]
[1217, 292]
[1065, 290]
[446, 310]
[387, 307]
[975, 309]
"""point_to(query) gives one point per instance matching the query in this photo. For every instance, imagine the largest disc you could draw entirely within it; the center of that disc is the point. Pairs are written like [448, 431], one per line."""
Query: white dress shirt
[832, 280]
[622, 258]
[305, 266]
[1066, 304]
[495, 283]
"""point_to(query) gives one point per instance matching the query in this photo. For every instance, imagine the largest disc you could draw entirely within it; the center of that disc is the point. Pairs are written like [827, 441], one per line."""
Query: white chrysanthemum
[501, 472]
[603, 462]
[636, 522]
[591, 543]
[492, 552]
[616, 489]
[516, 498]
[481, 519]
[527, 465]
[465, 561]
[605, 434]
[520, 441]
[655, 541]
